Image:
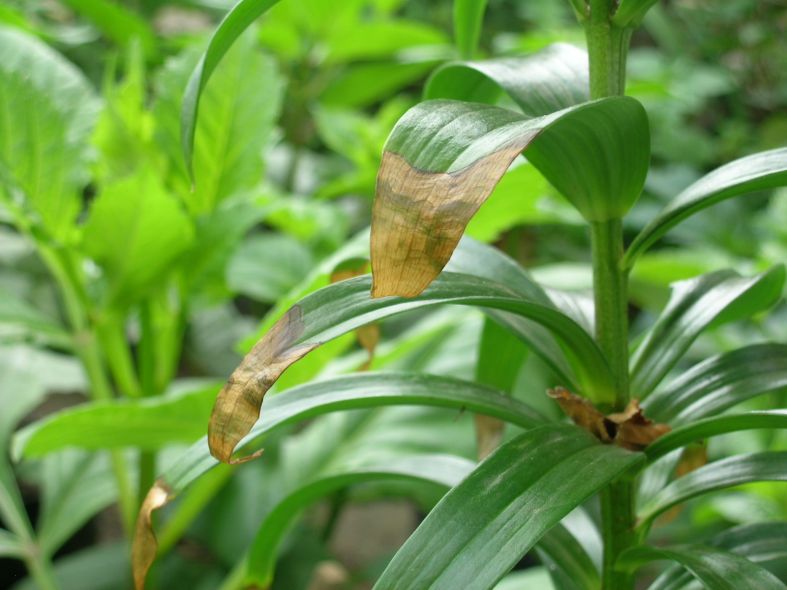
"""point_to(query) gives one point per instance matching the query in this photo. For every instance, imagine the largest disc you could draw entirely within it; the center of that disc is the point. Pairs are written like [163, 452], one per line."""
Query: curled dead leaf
[629, 429]
[238, 404]
[418, 217]
[145, 545]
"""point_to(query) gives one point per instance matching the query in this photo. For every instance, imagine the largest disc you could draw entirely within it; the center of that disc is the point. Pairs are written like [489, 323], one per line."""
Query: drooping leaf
[237, 20]
[261, 559]
[760, 543]
[715, 568]
[444, 157]
[148, 424]
[752, 173]
[552, 79]
[345, 306]
[721, 382]
[321, 397]
[732, 471]
[135, 231]
[483, 526]
[701, 429]
[468, 19]
[694, 305]
[47, 110]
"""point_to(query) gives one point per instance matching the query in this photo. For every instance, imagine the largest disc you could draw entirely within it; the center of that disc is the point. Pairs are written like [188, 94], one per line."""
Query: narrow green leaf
[345, 306]
[237, 20]
[701, 429]
[759, 543]
[695, 305]
[261, 559]
[10, 546]
[135, 231]
[719, 383]
[19, 319]
[631, 12]
[444, 157]
[715, 568]
[484, 526]
[567, 561]
[468, 20]
[752, 173]
[736, 470]
[148, 424]
[552, 79]
[47, 110]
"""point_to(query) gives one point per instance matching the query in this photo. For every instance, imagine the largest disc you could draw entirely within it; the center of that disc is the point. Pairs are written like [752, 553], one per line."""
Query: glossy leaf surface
[483, 526]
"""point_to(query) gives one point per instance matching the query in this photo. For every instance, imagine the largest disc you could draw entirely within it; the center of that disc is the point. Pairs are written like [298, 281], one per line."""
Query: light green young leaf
[715, 568]
[135, 232]
[47, 110]
[696, 304]
[555, 78]
[468, 20]
[237, 20]
[117, 23]
[483, 526]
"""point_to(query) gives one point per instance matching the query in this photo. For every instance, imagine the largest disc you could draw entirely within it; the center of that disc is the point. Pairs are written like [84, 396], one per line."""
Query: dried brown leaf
[418, 217]
[237, 406]
[145, 545]
[629, 429]
[488, 434]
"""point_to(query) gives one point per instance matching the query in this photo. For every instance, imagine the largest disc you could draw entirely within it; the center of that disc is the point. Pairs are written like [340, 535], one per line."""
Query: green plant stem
[607, 50]
[40, 569]
[618, 532]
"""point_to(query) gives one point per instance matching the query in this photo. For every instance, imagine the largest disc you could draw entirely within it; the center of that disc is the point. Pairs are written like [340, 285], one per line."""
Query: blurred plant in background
[121, 279]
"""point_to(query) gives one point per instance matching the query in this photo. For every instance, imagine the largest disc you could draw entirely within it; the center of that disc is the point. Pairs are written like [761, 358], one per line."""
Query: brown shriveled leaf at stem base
[629, 429]
[238, 404]
[145, 546]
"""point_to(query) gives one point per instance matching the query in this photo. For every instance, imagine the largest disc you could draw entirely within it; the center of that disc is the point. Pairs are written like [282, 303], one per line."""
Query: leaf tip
[145, 546]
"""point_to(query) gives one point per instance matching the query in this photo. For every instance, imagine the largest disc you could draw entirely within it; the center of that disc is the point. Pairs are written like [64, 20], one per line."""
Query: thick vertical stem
[607, 50]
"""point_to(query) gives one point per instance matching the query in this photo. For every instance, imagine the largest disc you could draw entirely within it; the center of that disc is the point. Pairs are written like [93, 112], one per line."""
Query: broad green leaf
[135, 231]
[484, 526]
[719, 383]
[345, 306]
[76, 486]
[732, 471]
[261, 560]
[555, 78]
[148, 424]
[116, 23]
[715, 568]
[47, 110]
[268, 266]
[701, 429]
[363, 84]
[759, 543]
[468, 20]
[752, 173]
[313, 399]
[237, 20]
[695, 305]
[444, 157]
[238, 109]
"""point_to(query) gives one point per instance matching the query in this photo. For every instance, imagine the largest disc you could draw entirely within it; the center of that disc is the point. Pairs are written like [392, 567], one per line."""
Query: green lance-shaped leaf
[568, 563]
[260, 562]
[444, 157]
[148, 425]
[752, 173]
[715, 568]
[47, 111]
[468, 19]
[720, 382]
[760, 543]
[237, 20]
[483, 526]
[344, 393]
[345, 306]
[715, 426]
[736, 470]
[694, 305]
[552, 79]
